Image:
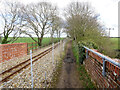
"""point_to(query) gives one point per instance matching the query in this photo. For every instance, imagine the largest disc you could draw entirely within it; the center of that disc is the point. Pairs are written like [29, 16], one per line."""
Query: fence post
[103, 72]
[60, 44]
[31, 68]
[27, 49]
[59, 47]
[63, 45]
[36, 45]
[53, 53]
[45, 81]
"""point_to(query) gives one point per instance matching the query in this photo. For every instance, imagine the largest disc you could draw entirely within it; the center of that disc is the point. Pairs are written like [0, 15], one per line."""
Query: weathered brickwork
[9, 51]
[94, 66]
[0, 53]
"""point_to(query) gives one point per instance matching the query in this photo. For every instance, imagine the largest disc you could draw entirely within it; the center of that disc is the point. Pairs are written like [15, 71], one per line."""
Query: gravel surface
[11, 63]
[40, 67]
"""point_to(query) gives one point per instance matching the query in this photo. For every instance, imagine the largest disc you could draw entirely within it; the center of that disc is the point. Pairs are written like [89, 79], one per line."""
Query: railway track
[7, 74]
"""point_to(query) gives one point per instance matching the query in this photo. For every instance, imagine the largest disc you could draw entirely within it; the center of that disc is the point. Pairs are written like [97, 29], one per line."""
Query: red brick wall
[94, 66]
[0, 53]
[9, 51]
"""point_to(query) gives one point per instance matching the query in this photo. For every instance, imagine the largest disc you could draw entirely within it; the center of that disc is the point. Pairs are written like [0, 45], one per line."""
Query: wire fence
[34, 46]
[41, 71]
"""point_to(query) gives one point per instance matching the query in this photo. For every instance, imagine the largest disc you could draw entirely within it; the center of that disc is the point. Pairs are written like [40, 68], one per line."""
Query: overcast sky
[108, 10]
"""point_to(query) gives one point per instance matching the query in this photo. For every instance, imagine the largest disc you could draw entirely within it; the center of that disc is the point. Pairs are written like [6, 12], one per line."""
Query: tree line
[34, 20]
[83, 26]
[38, 19]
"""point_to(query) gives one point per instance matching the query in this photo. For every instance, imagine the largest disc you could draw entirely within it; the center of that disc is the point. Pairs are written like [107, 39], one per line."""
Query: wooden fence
[32, 46]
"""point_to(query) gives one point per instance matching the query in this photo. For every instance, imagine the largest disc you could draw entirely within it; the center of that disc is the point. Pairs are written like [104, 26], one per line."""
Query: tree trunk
[59, 34]
[4, 41]
[40, 40]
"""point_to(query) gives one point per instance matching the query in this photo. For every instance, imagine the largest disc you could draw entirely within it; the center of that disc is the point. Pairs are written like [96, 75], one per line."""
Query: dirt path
[69, 77]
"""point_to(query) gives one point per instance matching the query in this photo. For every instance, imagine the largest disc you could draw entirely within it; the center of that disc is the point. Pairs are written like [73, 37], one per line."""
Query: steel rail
[38, 57]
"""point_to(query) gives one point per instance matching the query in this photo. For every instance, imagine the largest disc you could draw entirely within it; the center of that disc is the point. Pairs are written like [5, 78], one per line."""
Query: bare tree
[56, 27]
[59, 27]
[12, 22]
[39, 19]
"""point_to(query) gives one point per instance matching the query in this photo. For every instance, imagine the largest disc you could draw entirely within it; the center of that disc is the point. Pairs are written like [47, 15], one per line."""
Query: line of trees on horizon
[34, 20]
[83, 26]
[38, 19]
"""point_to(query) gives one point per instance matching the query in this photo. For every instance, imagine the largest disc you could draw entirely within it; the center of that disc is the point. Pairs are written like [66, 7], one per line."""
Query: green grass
[76, 53]
[57, 72]
[115, 43]
[83, 75]
[45, 40]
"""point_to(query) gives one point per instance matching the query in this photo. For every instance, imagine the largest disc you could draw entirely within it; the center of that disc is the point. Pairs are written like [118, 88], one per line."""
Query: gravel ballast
[11, 63]
[44, 65]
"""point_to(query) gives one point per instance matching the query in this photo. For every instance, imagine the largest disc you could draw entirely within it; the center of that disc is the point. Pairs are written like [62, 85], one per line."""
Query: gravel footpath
[40, 67]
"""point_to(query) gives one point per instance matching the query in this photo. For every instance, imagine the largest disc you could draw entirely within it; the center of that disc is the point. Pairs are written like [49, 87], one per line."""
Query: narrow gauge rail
[16, 69]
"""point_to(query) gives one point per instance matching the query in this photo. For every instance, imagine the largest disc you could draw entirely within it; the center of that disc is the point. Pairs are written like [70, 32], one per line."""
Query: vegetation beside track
[57, 72]
[83, 75]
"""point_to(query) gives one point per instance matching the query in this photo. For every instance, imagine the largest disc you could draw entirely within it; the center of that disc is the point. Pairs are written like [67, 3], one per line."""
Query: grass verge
[57, 72]
[75, 52]
[83, 75]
